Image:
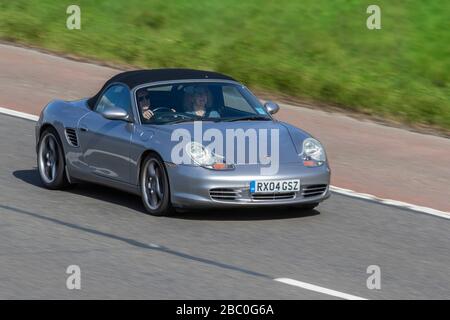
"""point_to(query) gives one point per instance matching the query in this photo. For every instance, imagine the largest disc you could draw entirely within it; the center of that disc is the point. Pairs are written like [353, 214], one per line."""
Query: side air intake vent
[71, 136]
[314, 190]
[224, 194]
[274, 196]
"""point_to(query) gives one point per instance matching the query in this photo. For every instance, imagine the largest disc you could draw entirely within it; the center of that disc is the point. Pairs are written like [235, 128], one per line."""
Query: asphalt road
[124, 253]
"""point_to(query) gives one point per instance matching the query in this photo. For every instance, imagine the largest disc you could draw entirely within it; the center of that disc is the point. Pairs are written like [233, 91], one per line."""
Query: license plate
[274, 186]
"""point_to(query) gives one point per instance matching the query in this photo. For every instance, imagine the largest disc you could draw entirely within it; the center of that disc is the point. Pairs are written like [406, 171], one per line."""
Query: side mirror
[114, 113]
[272, 107]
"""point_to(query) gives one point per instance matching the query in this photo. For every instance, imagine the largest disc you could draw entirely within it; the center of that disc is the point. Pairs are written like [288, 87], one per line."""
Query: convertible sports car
[140, 133]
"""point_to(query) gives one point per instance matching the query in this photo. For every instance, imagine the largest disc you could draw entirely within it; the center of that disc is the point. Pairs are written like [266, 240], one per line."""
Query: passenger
[199, 102]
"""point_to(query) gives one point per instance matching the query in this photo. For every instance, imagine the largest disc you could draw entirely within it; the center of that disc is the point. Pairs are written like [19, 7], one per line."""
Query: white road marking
[347, 192]
[390, 202]
[315, 288]
[19, 114]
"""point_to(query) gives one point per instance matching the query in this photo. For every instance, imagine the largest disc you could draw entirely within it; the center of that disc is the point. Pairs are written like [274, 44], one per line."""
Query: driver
[143, 99]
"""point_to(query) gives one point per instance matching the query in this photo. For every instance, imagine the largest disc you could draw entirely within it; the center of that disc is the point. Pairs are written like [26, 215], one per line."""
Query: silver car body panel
[110, 152]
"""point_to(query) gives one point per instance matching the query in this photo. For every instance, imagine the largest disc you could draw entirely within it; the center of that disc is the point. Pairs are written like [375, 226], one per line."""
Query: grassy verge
[311, 49]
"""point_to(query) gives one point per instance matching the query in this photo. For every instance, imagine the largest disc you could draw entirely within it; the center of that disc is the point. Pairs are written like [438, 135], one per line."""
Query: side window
[232, 98]
[117, 96]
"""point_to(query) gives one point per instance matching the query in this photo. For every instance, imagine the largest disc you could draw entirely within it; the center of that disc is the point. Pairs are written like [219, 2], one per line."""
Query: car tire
[154, 184]
[51, 161]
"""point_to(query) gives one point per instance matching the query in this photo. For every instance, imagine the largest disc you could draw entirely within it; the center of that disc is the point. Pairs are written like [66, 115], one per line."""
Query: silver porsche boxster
[181, 138]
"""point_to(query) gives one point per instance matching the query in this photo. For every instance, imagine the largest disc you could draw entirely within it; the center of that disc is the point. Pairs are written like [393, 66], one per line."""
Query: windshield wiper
[253, 117]
[195, 119]
[180, 121]
[184, 120]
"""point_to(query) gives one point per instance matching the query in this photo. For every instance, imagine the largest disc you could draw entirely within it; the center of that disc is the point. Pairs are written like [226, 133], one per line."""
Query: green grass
[310, 49]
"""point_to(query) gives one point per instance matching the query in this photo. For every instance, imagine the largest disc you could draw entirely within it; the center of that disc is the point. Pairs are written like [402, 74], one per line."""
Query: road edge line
[19, 114]
[390, 202]
[312, 287]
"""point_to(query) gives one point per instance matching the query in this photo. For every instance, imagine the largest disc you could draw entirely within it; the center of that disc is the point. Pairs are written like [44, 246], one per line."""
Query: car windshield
[203, 101]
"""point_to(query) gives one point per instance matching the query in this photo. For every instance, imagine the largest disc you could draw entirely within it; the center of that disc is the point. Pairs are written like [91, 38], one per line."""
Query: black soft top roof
[138, 77]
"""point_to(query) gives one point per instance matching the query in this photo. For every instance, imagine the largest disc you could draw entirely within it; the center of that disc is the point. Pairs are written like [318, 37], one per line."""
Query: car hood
[290, 138]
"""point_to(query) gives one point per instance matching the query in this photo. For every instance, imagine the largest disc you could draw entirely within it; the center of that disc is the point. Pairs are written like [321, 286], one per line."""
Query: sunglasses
[142, 98]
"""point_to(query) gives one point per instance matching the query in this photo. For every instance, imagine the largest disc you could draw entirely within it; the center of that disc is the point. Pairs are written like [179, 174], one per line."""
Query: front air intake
[313, 190]
[274, 196]
[224, 194]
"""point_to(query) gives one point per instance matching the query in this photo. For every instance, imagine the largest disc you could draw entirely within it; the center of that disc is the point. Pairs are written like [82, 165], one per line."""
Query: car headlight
[313, 153]
[205, 158]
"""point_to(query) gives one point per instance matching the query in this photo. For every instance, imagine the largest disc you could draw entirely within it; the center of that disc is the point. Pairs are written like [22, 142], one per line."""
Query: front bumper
[197, 187]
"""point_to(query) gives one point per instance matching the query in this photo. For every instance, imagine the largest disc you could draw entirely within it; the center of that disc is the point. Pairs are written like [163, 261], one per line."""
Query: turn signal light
[219, 166]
